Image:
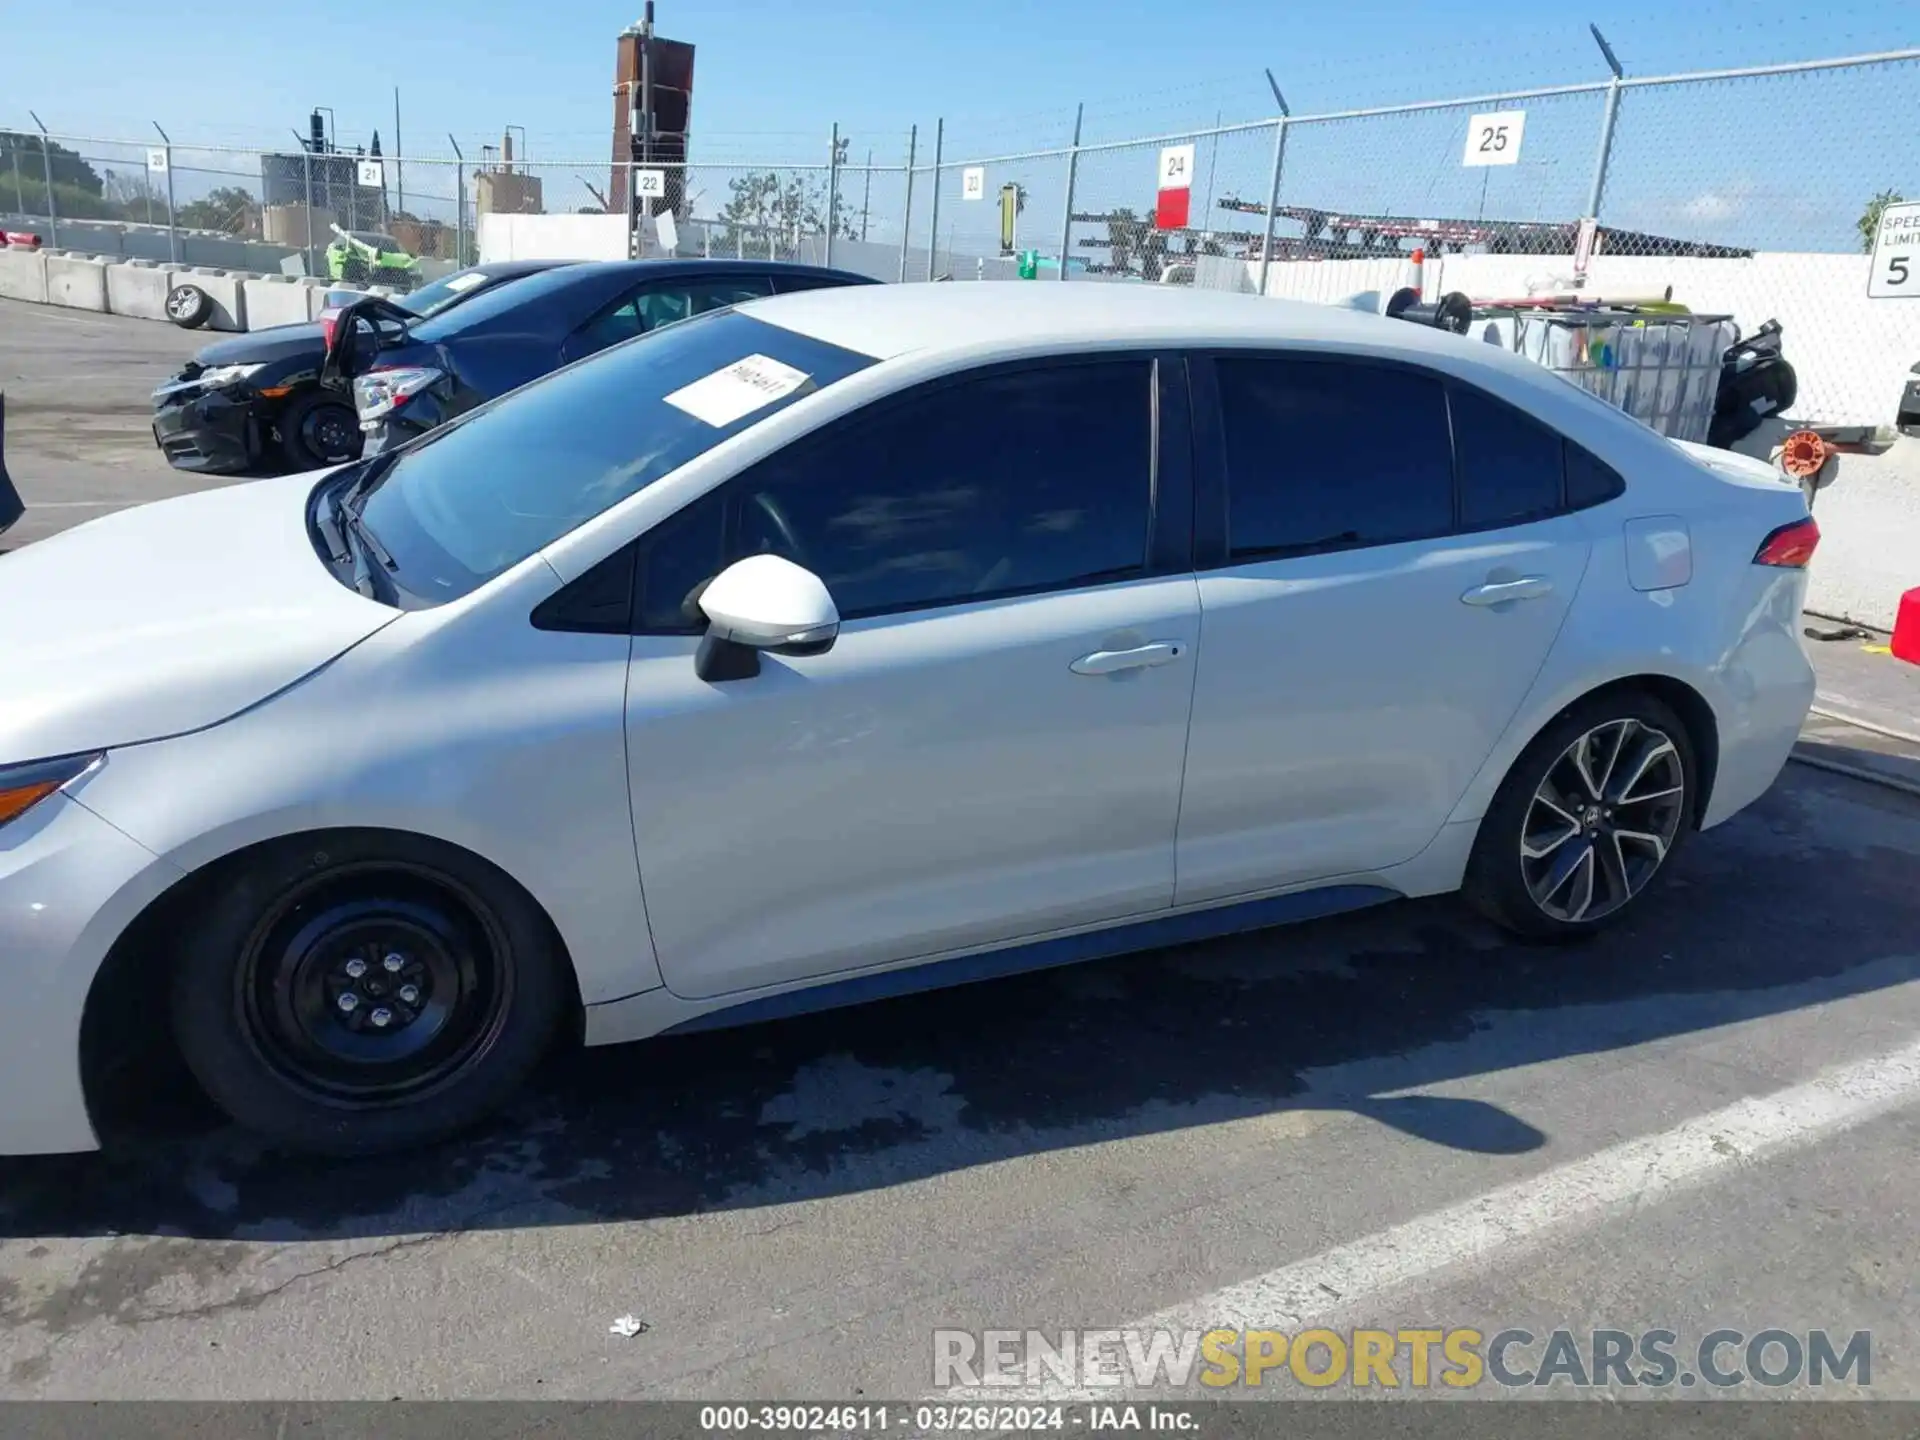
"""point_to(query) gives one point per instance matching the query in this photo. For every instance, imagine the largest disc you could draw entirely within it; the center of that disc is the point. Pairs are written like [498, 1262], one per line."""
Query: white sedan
[846, 644]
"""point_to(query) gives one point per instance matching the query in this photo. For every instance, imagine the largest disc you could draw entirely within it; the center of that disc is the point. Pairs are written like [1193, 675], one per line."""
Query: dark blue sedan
[438, 369]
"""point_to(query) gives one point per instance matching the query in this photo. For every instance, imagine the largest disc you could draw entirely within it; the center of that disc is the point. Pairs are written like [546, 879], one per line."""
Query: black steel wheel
[318, 430]
[371, 983]
[1588, 818]
[358, 993]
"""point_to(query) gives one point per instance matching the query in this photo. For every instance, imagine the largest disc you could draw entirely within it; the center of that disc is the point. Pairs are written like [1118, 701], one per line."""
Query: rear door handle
[1110, 662]
[1499, 592]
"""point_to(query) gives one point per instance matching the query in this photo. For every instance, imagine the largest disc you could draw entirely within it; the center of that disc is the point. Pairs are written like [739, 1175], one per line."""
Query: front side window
[1013, 482]
[1329, 455]
[481, 495]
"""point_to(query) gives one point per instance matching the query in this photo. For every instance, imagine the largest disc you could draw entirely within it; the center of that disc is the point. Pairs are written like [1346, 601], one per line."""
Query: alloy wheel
[1603, 820]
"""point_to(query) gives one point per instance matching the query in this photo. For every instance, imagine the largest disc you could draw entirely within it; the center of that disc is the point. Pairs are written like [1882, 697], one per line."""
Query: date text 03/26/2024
[943, 1418]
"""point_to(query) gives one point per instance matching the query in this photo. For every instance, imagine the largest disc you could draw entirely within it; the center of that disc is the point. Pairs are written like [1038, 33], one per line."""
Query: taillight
[1791, 546]
[382, 391]
[329, 322]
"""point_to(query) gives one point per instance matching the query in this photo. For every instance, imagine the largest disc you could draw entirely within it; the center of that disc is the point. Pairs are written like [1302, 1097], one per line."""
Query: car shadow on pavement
[1805, 898]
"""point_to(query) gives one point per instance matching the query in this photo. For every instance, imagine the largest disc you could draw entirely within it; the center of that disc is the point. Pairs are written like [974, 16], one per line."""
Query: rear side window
[1590, 480]
[1509, 464]
[1327, 456]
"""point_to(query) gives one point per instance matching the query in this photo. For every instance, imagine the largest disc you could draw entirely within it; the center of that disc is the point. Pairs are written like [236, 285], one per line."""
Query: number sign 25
[1493, 138]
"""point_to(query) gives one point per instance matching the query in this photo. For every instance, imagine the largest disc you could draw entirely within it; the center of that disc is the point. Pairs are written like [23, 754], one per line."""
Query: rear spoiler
[11, 506]
[340, 329]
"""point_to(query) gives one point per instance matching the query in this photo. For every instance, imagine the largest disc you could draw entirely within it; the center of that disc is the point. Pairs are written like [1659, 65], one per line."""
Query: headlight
[24, 786]
[381, 392]
[223, 375]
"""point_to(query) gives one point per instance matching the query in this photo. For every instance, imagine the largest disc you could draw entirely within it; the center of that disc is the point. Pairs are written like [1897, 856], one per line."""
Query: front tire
[1590, 815]
[317, 431]
[355, 994]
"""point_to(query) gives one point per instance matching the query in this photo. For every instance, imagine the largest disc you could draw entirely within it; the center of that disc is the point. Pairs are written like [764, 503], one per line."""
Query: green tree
[69, 168]
[230, 209]
[1869, 222]
[762, 208]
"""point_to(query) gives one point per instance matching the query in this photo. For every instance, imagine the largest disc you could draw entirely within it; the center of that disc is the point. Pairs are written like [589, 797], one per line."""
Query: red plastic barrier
[1906, 628]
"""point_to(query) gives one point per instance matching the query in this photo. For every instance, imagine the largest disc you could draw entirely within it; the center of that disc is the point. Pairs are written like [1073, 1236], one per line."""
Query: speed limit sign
[1895, 271]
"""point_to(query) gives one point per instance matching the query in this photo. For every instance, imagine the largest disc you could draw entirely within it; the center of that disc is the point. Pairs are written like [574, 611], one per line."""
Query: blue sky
[772, 77]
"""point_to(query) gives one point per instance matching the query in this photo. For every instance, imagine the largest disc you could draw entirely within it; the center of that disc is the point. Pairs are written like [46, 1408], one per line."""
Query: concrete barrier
[227, 292]
[317, 296]
[276, 300]
[139, 288]
[78, 282]
[23, 274]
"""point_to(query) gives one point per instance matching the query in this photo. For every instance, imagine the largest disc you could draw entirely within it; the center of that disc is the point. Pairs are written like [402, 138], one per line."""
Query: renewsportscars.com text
[1457, 1358]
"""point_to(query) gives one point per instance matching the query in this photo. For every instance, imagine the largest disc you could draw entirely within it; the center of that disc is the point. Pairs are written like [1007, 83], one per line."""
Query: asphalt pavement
[1705, 1120]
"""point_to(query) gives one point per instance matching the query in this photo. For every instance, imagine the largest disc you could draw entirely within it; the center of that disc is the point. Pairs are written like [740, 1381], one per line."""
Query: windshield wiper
[357, 542]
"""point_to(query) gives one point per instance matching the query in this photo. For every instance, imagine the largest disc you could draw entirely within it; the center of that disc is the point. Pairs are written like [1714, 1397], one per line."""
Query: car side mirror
[763, 603]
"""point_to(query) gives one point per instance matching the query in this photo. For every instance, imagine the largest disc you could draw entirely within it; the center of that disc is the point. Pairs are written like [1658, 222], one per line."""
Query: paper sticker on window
[458, 283]
[738, 390]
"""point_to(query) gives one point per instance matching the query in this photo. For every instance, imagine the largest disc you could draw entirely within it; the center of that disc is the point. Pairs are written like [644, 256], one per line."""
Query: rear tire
[1588, 818]
[317, 430]
[188, 306]
[360, 993]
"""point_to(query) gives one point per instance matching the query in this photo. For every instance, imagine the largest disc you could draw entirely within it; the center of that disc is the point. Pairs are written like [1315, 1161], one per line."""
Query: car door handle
[1499, 592]
[1111, 662]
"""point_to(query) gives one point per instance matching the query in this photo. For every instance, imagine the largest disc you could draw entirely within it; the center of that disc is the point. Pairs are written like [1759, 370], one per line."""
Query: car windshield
[488, 491]
[450, 290]
[496, 301]
[375, 239]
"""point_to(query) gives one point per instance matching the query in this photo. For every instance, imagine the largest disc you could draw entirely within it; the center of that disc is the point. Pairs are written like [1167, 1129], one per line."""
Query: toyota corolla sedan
[849, 643]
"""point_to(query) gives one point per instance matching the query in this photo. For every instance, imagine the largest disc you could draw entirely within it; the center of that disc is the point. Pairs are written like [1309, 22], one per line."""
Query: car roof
[975, 318]
[690, 268]
[512, 269]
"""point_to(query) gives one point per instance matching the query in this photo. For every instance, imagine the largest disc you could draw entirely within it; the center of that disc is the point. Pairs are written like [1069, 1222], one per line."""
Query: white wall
[1851, 354]
[552, 237]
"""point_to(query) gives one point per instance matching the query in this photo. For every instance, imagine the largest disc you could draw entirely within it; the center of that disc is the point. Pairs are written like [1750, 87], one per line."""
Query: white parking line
[1523, 1215]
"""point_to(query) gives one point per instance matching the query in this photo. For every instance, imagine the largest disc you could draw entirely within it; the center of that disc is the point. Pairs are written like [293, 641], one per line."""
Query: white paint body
[938, 783]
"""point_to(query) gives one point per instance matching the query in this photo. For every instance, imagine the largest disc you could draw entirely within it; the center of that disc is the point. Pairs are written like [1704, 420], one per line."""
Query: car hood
[279, 342]
[168, 617]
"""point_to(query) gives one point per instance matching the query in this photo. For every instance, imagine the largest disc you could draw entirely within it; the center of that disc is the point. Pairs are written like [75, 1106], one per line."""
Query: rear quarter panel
[1731, 633]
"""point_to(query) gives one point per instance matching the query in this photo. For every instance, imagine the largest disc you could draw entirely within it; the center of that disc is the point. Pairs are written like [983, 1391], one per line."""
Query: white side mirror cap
[767, 603]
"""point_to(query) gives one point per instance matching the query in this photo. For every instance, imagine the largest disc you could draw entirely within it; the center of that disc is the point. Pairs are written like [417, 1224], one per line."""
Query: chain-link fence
[1781, 158]
[1625, 184]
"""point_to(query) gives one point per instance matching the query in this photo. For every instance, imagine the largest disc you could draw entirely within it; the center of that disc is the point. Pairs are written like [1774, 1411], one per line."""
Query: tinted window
[516, 474]
[662, 304]
[449, 291]
[1590, 481]
[497, 300]
[1325, 456]
[1509, 463]
[1025, 481]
